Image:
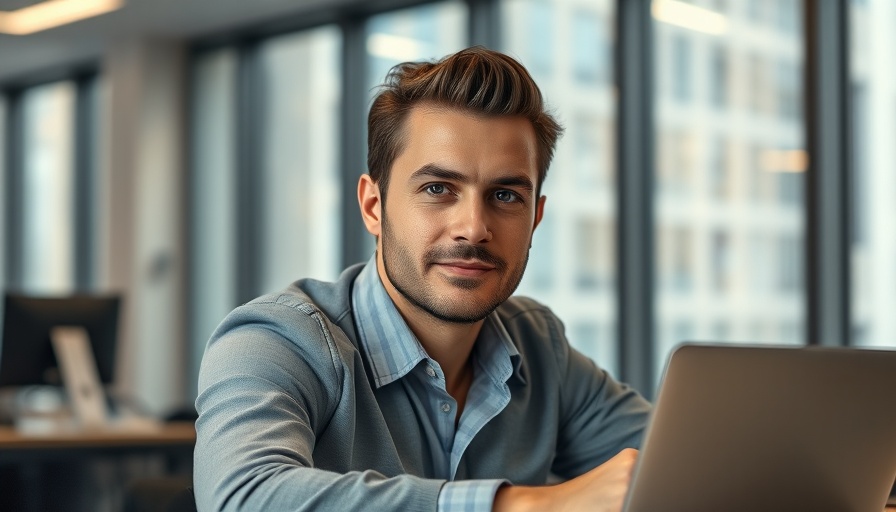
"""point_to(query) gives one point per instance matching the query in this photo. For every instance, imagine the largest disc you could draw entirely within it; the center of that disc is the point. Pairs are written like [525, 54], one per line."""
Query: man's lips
[465, 268]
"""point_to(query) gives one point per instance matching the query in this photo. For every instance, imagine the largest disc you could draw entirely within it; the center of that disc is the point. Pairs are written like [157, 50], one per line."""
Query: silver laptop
[770, 429]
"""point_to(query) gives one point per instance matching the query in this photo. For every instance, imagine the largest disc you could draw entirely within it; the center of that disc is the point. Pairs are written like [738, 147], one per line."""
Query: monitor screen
[26, 352]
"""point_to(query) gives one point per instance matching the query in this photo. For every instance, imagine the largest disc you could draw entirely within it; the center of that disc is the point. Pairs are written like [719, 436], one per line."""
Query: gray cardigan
[289, 420]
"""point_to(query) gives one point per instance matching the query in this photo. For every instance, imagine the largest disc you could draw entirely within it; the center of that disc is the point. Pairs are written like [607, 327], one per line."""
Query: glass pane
[48, 198]
[567, 46]
[729, 173]
[427, 32]
[213, 197]
[874, 182]
[301, 208]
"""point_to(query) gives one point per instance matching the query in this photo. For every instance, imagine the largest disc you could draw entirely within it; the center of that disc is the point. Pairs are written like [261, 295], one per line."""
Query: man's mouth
[465, 268]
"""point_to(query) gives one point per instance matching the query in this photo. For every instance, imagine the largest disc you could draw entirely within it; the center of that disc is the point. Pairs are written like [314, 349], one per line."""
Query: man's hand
[602, 489]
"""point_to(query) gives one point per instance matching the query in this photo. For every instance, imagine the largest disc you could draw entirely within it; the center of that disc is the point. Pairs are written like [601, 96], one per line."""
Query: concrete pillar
[143, 229]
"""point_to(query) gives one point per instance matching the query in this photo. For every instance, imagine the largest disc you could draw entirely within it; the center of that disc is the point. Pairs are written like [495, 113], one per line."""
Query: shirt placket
[444, 408]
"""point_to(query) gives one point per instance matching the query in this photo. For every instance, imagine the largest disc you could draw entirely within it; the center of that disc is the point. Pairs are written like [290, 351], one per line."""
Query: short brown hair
[478, 80]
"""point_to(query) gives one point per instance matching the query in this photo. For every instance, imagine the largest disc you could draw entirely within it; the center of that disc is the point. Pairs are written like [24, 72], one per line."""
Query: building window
[681, 72]
[723, 178]
[590, 53]
[594, 263]
[718, 73]
[721, 261]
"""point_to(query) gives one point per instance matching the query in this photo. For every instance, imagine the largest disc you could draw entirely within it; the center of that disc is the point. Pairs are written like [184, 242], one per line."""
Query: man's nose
[470, 222]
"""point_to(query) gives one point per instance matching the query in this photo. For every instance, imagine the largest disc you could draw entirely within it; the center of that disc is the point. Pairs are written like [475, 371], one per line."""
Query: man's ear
[370, 203]
[539, 211]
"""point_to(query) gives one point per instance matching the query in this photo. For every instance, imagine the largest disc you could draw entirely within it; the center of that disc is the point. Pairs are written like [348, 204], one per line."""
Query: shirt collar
[393, 350]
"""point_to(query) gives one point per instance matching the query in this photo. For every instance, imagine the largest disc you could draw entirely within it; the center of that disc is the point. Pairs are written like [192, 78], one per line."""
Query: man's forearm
[511, 498]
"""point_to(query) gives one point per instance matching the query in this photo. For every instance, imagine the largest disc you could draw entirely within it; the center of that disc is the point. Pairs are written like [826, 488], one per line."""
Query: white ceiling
[23, 56]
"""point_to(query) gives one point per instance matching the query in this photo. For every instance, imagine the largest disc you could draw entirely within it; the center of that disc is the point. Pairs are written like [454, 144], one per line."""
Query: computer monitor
[27, 357]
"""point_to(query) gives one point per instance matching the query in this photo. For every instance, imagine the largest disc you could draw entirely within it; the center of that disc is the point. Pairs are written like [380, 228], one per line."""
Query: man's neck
[449, 343]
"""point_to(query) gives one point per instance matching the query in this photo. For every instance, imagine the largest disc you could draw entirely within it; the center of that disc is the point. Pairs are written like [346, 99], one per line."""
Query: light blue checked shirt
[318, 397]
[397, 358]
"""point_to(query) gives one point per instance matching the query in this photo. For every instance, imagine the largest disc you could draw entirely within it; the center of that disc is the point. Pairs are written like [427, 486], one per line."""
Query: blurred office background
[727, 173]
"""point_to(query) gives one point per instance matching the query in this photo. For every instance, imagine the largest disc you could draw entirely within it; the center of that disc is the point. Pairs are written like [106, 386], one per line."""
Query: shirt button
[446, 407]
[430, 371]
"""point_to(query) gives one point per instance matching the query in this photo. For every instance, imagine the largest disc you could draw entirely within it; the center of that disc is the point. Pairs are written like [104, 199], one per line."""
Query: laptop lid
[770, 428]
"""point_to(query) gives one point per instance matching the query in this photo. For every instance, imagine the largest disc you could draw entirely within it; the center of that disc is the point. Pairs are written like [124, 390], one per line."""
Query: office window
[720, 330]
[594, 259]
[587, 34]
[300, 214]
[873, 250]
[675, 249]
[718, 76]
[681, 71]
[593, 152]
[580, 184]
[531, 24]
[595, 340]
[48, 189]
[720, 169]
[787, 16]
[213, 205]
[787, 82]
[677, 161]
[428, 32]
[720, 260]
[729, 170]
[539, 270]
[757, 93]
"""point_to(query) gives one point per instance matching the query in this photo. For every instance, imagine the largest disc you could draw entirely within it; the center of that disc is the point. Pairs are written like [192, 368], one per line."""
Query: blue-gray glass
[729, 176]
[873, 98]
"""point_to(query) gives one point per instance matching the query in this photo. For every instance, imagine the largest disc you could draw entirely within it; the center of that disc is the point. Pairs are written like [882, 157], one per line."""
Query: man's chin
[460, 307]
[465, 283]
[459, 315]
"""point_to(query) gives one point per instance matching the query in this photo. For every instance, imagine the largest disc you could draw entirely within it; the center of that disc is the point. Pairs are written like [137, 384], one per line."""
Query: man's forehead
[425, 109]
[444, 128]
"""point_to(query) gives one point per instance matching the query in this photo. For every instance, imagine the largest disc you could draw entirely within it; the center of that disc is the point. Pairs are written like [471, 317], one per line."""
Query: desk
[67, 471]
[173, 438]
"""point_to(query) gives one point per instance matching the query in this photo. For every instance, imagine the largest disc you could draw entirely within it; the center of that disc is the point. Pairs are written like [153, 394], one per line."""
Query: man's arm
[260, 404]
[602, 422]
[602, 489]
[599, 416]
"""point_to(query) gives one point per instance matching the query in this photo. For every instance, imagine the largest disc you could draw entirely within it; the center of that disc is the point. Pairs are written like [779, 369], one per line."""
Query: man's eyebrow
[516, 181]
[435, 171]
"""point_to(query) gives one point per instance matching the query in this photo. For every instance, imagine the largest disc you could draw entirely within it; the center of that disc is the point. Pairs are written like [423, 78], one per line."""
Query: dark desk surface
[168, 437]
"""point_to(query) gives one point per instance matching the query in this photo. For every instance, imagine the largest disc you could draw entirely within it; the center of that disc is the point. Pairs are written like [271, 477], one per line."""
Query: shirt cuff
[469, 495]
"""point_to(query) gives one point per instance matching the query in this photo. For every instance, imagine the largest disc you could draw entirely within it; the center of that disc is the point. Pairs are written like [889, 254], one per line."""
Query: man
[415, 382]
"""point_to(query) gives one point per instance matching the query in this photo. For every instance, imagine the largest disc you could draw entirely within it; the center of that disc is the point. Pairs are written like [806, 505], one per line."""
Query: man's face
[460, 211]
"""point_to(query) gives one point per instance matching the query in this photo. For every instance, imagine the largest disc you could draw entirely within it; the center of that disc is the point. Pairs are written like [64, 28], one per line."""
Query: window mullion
[828, 176]
[635, 128]
[14, 205]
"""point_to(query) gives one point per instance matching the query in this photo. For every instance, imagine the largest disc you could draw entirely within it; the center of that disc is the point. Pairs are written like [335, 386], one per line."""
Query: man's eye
[436, 189]
[506, 196]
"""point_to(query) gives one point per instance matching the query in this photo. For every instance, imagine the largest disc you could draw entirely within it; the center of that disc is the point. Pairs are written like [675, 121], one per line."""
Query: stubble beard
[402, 272]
